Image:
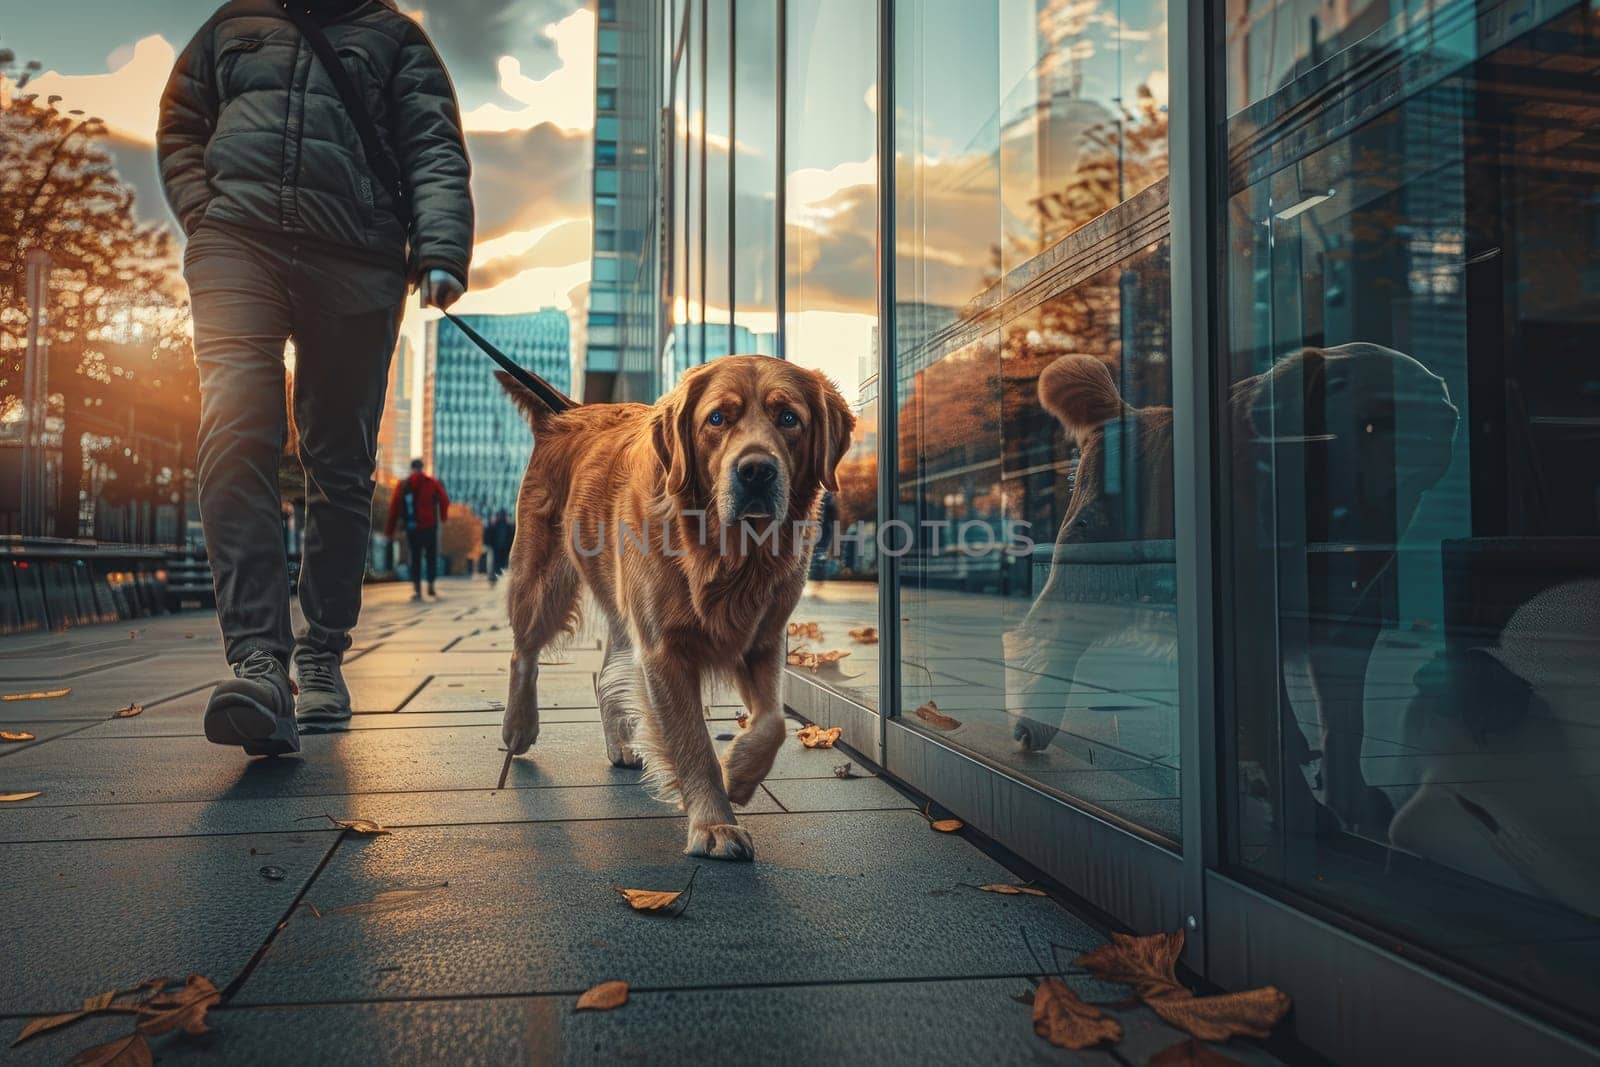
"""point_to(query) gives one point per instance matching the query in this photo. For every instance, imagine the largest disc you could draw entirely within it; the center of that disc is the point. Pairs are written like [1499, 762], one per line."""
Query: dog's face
[752, 438]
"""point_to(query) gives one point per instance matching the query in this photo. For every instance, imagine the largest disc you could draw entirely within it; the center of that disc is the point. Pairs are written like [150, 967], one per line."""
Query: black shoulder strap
[378, 158]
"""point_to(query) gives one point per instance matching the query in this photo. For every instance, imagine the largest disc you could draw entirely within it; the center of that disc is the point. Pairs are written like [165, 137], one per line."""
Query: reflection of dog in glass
[1333, 449]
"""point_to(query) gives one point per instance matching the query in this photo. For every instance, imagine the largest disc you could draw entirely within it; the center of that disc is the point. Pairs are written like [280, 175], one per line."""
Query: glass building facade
[1226, 492]
[480, 442]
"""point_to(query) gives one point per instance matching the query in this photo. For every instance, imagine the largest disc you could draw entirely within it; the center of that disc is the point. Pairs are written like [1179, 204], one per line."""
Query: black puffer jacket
[253, 134]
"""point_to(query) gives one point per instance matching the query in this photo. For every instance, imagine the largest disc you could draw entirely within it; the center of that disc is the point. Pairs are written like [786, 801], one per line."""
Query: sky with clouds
[524, 70]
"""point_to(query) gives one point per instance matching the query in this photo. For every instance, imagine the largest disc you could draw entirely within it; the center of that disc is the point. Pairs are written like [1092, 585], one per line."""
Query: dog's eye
[715, 418]
[788, 418]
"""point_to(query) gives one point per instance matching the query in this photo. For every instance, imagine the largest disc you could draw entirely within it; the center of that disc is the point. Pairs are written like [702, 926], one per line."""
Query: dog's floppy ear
[673, 436]
[832, 423]
[1079, 392]
[1286, 404]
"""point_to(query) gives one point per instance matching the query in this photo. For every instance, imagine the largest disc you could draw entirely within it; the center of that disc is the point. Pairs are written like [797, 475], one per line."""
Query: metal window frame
[781, 206]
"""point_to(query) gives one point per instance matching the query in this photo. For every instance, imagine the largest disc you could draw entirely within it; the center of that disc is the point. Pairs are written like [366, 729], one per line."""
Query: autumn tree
[123, 393]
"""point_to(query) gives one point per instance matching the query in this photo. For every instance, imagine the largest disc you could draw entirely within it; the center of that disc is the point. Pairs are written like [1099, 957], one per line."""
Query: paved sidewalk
[466, 935]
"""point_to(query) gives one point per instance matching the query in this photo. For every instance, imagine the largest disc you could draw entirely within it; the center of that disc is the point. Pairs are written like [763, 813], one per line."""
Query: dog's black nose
[757, 473]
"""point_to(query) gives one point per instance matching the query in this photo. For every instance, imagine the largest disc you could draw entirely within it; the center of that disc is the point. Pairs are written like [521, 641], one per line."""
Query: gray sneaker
[324, 702]
[255, 708]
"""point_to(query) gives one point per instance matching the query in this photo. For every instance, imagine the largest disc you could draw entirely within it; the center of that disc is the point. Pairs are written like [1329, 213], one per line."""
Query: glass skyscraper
[481, 442]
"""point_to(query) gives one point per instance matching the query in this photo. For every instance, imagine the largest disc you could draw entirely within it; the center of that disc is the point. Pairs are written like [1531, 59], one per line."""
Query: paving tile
[152, 769]
[41, 731]
[148, 769]
[281, 814]
[98, 696]
[475, 692]
[138, 909]
[403, 662]
[820, 794]
[912, 1023]
[529, 908]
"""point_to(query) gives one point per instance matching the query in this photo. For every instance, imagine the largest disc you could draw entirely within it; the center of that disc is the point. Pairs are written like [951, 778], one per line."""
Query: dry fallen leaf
[1145, 963]
[1067, 1022]
[1252, 1014]
[814, 736]
[11, 798]
[15, 735]
[743, 720]
[814, 660]
[944, 826]
[866, 635]
[43, 694]
[844, 770]
[661, 900]
[1191, 1053]
[604, 997]
[1014, 890]
[812, 630]
[129, 712]
[130, 1051]
[930, 714]
[185, 1009]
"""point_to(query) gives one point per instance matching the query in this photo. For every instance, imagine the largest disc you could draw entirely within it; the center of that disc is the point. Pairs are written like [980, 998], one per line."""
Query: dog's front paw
[519, 732]
[721, 841]
[619, 742]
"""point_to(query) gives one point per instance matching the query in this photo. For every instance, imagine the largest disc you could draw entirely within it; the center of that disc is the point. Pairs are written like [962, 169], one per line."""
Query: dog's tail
[1078, 390]
[533, 407]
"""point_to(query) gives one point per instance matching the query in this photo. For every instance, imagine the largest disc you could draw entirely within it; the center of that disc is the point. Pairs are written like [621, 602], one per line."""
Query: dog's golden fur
[636, 503]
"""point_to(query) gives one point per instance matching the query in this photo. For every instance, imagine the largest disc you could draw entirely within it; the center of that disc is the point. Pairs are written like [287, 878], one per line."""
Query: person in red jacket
[423, 505]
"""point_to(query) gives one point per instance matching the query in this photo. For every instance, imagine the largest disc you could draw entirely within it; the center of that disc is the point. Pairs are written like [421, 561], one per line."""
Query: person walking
[423, 505]
[293, 234]
[497, 538]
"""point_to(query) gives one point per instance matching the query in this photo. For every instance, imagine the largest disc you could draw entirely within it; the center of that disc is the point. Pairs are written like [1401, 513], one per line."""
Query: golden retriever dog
[691, 523]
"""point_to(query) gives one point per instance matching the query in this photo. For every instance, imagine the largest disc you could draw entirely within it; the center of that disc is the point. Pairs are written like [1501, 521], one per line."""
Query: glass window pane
[831, 292]
[1039, 594]
[1414, 509]
[755, 172]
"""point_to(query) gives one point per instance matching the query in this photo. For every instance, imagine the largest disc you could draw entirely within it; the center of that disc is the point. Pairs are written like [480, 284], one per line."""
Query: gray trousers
[251, 294]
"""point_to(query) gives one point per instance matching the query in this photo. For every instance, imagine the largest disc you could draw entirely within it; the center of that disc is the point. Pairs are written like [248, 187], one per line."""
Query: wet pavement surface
[467, 933]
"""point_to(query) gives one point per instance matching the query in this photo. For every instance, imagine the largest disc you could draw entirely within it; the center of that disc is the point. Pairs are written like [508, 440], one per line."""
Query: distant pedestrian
[295, 233]
[423, 505]
[497, 538]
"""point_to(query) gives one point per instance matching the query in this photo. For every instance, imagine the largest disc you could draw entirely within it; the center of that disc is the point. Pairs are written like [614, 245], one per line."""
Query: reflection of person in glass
[1371, 428]
[293, 234]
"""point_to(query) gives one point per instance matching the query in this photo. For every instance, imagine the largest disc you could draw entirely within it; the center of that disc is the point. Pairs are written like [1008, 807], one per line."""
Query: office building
[394, 433]
[480, 442]
[1274, 322]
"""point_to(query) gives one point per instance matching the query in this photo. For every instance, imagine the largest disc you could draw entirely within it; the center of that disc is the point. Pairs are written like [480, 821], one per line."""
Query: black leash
[553, 398]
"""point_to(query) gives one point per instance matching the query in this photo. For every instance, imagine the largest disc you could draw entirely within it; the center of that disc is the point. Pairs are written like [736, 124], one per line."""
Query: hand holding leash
[440, 289]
